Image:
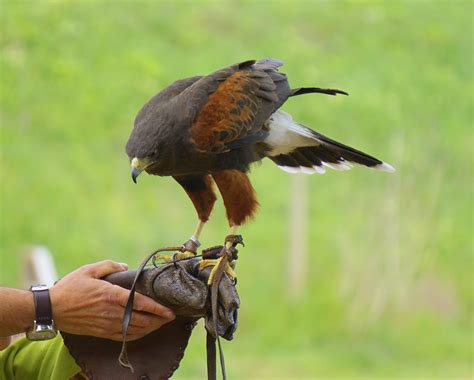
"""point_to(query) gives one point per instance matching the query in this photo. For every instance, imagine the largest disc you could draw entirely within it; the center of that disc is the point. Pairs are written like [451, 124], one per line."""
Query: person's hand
[85, 305]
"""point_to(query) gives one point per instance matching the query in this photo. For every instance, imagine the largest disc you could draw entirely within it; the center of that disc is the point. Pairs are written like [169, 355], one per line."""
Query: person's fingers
[120, 295]
[140, 319]
[146, 304]
[103, 268]
[141, 324]
[143, 303]
[147, 321]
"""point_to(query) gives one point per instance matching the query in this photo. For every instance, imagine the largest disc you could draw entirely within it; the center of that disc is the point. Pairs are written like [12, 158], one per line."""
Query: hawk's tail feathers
[312, 90]
[298, 149]
[315, 159]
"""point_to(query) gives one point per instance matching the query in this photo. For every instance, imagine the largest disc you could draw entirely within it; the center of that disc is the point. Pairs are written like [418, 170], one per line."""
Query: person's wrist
[27, 318]
[55, 297]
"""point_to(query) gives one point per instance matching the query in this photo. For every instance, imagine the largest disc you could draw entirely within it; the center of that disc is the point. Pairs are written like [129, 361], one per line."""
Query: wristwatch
[43, 325]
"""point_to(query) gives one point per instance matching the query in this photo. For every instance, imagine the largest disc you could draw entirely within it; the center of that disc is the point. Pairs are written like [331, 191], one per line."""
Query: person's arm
[83, 304]
[17, 311]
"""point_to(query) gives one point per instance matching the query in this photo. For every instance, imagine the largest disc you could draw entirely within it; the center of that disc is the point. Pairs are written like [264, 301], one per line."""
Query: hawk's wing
[162, 97]
[229, 107]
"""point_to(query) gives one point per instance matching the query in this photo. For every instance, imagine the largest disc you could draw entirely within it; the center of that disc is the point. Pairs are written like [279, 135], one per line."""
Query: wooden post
[298, 237]
[38, 266]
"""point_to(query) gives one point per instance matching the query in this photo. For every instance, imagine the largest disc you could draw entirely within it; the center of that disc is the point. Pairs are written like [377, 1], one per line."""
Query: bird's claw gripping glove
[182, 286]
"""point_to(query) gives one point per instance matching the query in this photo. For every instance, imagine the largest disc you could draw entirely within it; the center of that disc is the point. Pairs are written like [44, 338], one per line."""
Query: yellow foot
[214, 263]
[178, 255]
[234, 240]
[186, 252]
[228, 253]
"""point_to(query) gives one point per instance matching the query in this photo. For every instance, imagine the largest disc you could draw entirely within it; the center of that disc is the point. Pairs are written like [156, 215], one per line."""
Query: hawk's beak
[138, 165]
[136, 168]
[135, 173]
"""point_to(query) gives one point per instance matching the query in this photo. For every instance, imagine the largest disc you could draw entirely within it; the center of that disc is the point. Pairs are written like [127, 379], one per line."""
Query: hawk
[208, 130]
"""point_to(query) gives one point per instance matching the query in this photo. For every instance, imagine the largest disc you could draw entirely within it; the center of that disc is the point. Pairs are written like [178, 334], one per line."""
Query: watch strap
[43, 311]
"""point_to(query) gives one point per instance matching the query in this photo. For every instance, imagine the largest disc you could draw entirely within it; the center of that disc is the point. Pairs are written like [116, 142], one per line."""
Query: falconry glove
[181, 285]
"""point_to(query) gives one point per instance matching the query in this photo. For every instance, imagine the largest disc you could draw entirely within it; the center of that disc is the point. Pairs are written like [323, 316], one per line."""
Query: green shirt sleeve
[44, 360]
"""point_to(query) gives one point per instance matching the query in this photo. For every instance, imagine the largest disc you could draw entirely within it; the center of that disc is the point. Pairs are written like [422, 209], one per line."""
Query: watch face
[41, 335]
[41, 332]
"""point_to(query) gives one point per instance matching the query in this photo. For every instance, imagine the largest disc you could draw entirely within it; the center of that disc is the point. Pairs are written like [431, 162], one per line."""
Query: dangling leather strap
[214, 294]
[225, 257]
[127, 315]
[211, 356]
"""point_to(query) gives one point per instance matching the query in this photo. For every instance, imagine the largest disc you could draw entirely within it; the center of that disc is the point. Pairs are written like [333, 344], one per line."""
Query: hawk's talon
[231, 253]
[234, 240]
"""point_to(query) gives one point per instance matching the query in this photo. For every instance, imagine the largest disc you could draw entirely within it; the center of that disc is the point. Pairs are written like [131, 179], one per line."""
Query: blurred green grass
[389, 292]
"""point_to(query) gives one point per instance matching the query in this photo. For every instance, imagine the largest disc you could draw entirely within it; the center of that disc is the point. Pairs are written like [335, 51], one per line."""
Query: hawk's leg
[240, 203]
[238, 195]
[200, 190]
[193, 242]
